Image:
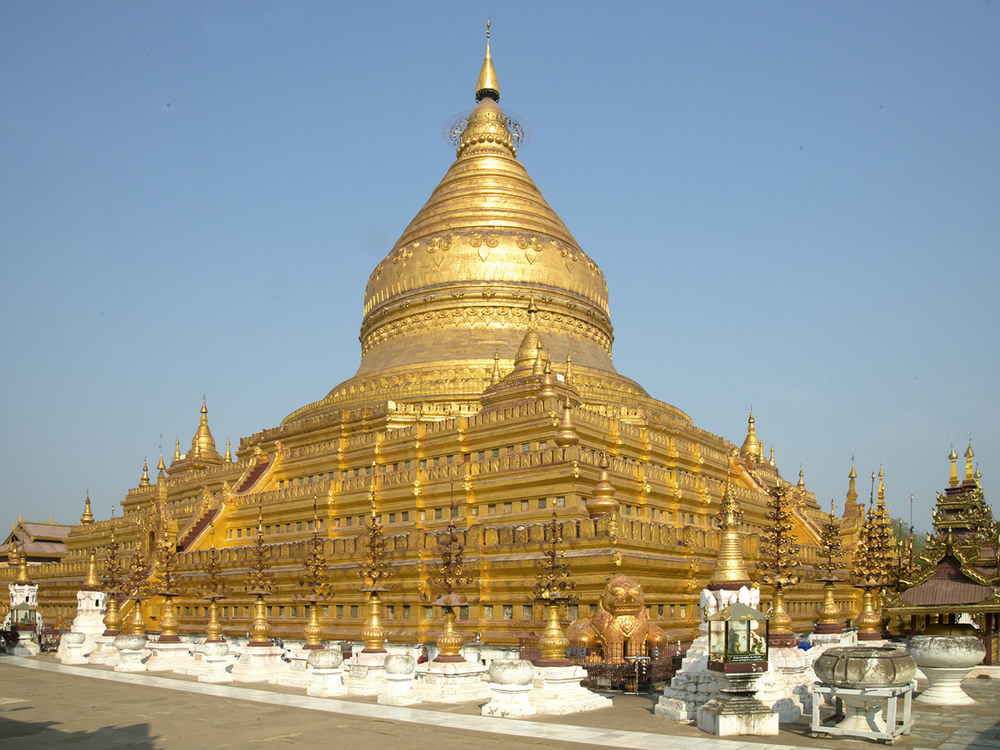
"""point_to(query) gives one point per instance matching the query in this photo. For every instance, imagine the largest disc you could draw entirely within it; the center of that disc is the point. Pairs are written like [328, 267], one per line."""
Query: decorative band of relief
[500, 316]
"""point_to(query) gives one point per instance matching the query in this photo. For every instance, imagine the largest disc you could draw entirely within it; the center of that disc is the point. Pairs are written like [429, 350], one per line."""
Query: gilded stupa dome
[454, 291]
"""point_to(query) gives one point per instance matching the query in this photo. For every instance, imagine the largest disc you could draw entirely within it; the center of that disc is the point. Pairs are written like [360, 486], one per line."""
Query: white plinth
[726, 718]
[398, 690]
[944, 687]
[258, 664]
[557, 690]
[130, 659]
[509, 701]
[365, 674]
[692, 687]
[451, 682]
[26, 645]
[104, 651]
[167, 657]
[326, 683]
[295, 674]
[71, 647]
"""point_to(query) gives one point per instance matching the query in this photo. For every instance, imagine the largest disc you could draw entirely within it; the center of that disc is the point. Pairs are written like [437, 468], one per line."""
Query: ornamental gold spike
[953, 457]
[88, 516]
[487, 84]
[730, 570]
[144, 481]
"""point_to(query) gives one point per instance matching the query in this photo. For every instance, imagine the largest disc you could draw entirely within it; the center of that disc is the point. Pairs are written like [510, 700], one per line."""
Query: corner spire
[603, 500]
[487, 84]
[87, 516]
[953, 457]
[730, 569]
[144, 481]
[969, 453]
[751, 447]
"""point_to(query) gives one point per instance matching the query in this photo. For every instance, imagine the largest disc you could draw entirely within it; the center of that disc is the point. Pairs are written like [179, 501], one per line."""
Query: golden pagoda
[486, 376]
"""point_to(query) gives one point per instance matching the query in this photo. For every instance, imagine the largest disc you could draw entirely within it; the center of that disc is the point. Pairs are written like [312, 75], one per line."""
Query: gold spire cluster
[730, 570]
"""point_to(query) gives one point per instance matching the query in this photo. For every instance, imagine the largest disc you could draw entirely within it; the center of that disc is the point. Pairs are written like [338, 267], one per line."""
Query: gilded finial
[969, 453]
[177, 449]
[977, 476]
[802, 481]
[881, 485]
[229, 453]
[22, 566]
[852, 490]
[953, 457]
[566, 436]
[160, 466]
[603, 500]
[495, 376]
[751, 447]
[771, 459]
[569, 369]
[144, 480]
[730, 570]
[487, 84]
[87, 516]
[92, 582]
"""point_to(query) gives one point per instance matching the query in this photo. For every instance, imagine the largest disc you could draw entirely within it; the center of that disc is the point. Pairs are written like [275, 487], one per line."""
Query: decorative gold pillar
[553, 643]
[829, 612]
[214, 627]
[168, 623]
[112, 620]
[780, 629]
[449, 643]
[374, 634]
[137, 626]
[313, 630]
[260, 629]
[869, 623]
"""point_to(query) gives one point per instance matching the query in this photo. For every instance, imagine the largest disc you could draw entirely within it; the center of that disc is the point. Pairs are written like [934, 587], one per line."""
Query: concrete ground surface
[45, 704]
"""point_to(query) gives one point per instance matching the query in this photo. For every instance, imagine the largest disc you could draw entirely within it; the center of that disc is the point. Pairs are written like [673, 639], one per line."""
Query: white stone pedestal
[450, 682]
[295, 674]
[794, 666]
[89, 618]
[26, 644]
[399, 681]
[557, 690]
[509, 701]
[168, 657]
[693, 686]
[72, 647]
[725, 718]
[104, 651]
[365, 674]
[214, 663]
[131, 649]
[326, 683]
[258, 664]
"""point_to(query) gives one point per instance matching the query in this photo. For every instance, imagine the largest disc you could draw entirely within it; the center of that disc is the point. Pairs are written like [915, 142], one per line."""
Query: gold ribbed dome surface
[454, 291]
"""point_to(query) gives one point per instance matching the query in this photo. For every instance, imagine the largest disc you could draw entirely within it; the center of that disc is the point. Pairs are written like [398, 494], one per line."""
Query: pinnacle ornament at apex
[603, 500]
[730, 569]
[953, 457]
[751, 447]
[487, 84]
[969, 454]
[144, 481]
[88, 516]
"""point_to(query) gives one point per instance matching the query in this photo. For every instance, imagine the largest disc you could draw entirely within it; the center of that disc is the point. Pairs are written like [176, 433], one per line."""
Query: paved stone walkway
[44, 703]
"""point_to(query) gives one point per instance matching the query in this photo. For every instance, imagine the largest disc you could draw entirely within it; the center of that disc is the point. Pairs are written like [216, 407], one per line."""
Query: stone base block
[104, 651]
[398, 691]
[557, 690]
[130, 661]
[365, 674]
[258, 664]
[326, 683]
[168, 657]
[214, 669]
[733, 717]
[509, 701]
[944, 687]
[450, 682]
[676, 709]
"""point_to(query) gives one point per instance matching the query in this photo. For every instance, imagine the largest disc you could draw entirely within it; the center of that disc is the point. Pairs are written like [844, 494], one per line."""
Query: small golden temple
[486, 397]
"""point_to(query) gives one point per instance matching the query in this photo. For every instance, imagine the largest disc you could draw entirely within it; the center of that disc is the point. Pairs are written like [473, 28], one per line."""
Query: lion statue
[620, 627]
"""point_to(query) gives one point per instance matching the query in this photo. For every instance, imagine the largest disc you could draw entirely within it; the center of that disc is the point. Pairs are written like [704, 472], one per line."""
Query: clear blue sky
[795, 205]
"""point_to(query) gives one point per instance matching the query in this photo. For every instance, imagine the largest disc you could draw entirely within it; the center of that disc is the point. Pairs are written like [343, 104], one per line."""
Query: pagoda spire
[953, 457]
[751, 447]
[566, 436]
[487, 84]
[730, 570]
[229, 452]
[88, 516]
[802, 479]
[852, 490]
[144, 481]
[603, 500]
[969, 453]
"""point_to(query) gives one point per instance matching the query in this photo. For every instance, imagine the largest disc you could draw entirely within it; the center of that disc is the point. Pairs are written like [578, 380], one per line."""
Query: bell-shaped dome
[454, 291]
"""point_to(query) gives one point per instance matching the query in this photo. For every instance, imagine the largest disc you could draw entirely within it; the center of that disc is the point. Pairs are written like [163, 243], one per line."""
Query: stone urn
[325, 658]
[864, 667]
[399, 664]
[214, 649]
[946, 654]
[130, 647]
[511, 671]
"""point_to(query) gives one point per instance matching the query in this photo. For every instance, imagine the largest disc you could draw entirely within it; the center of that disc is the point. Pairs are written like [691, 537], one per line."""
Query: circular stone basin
[215, 649]
[325, 658]
[74, 639]
[948, 646]
[129, 642]
[399, 664]
[511, 671]
[865, 667]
